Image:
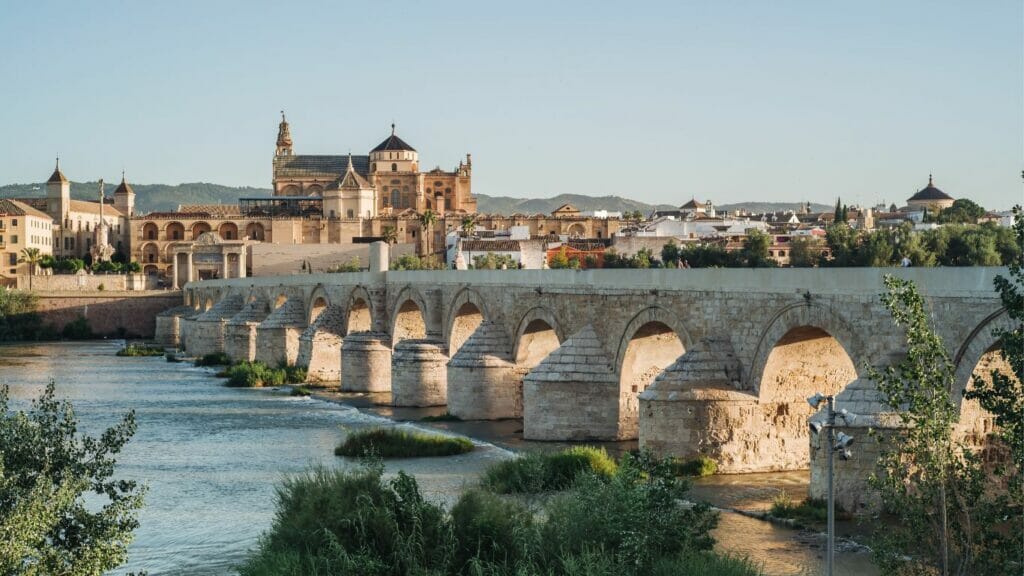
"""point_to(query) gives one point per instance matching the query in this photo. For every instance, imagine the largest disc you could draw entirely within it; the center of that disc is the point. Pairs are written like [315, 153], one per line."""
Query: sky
[656, 101]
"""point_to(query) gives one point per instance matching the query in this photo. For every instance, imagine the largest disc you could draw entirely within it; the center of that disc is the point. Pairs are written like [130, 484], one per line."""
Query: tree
[802, 252]
[670, 254]
[838, 216]
[469, 225]
[929, 480]
[389, 235]
[560, 260]
[755, 249]
[963, 211]
[842, 245]
[33, 258]
[46, 467]
[427, 220]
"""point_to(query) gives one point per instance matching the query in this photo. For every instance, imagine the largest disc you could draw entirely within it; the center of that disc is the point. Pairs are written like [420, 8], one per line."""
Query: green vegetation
[258, 375]
[112, 267]
[300, 391]
[214, 359]
[562, 261]
[395, 443]
[808, 511]
[140, 350]
[492, 261]
[949, 245]
[446, 417]
[948, 510]
[46, 468]
[353, 265]
[700, 466]
[535, 472]
[413, 262]
[19, 319]
[963, 211]
[64, 265]
[77, 329]
[333, 522]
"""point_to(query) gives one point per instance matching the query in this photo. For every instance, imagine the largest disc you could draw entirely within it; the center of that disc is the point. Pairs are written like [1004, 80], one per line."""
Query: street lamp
[840, 443]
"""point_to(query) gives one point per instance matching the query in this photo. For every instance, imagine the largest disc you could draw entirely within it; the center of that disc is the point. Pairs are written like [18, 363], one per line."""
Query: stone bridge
[712, 361]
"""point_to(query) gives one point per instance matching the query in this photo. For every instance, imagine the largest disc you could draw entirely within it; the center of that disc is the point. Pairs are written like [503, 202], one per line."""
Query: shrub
[809, 510]
[293, 374]
[214, 359]
[300, 391]
[491, 530]
[254, 375]
[700, 466]
[140, 350]
[395, 443]
[77, 329]
[541, 472]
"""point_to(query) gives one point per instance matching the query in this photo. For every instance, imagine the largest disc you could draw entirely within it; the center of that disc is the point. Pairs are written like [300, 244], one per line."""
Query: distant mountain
[164, 198]
[148, 197]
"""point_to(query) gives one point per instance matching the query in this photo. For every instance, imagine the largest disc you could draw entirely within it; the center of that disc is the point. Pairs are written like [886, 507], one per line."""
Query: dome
[393, 143]
[930, 194]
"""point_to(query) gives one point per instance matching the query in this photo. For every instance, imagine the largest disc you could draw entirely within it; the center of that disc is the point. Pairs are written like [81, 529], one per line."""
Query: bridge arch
[409, 319]
[539, 333]
[808, 322]
[981, 342]
[359, 311]
[653, 339]
[318, 301]
[465, 314]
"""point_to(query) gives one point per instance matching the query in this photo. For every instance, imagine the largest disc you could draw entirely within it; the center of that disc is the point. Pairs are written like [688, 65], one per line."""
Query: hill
[148, 197]
[165, 197]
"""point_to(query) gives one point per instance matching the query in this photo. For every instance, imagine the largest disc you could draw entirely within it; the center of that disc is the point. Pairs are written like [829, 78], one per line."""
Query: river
[211, 456]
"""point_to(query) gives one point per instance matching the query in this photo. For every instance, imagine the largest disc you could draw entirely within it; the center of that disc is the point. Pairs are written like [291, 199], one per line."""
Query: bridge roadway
[700, 361]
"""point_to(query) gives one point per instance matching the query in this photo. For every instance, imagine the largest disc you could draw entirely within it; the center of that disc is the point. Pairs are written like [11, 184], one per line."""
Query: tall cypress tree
[839, 212]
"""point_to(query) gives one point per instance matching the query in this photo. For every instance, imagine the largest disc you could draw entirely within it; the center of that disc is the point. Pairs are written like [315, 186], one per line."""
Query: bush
[254, 375]
[300, 391]
[214, 359]
[293, 374]
[77, 329]
[700, 466]
[140, 350]
[491, 530]
[807, 511]
[395, 443]
[542, 472]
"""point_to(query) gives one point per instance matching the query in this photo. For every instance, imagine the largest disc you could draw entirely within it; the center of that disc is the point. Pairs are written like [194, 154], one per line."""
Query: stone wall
[88, 282]
[283, 259]
[132, 314]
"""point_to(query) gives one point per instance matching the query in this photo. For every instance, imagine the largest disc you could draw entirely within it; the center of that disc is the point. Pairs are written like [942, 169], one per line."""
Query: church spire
[284, 137]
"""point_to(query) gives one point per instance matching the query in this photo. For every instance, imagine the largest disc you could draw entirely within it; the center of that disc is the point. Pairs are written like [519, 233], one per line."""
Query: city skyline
[734, 104]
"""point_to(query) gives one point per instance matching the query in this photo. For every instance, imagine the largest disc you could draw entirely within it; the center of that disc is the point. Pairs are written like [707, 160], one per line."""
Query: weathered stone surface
[240, 331]
[573, 393]
[419, 373]
[208, 327]
[320, 346]
[366, 362]
[168, 328]
[277, 337]
[483, 383]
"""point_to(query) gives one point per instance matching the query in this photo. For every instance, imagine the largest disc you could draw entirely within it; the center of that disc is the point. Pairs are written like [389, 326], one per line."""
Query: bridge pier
[573, 393]
[419, 373]
[320, 346]
[185, 324]
[483, 384]
[207, 331]
[168, 326]
[277, 337]
[366, 362]
[240, 331]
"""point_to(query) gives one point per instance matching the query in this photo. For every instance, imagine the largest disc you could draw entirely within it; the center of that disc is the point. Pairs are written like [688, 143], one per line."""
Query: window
[351, 213]
[332, 214]
[14, 222]
[13, 258]
[395, 198]
[1, 239]
[394, 167]
[14, 238]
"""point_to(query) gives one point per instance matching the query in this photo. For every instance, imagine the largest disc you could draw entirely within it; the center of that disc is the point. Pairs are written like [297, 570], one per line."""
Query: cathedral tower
[58, 196]
[284, 138]
[124, 198]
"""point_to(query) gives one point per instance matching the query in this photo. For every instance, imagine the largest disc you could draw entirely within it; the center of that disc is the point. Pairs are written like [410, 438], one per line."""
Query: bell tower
[58, 195]
[284, 138]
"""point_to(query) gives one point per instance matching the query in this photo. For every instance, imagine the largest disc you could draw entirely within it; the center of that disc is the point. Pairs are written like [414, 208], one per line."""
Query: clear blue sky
[655, 101]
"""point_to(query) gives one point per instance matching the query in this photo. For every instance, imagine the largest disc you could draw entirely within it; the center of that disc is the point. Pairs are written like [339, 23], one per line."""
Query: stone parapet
[419, 369]
[573, 394]
[483, 383]
[366, 362]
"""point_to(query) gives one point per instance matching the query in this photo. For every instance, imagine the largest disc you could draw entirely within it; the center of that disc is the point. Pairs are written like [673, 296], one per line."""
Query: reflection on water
[211, 456]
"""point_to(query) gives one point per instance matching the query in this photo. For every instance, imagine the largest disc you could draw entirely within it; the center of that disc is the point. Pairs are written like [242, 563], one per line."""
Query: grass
[214, 359]
[140, 350]
[354, 521]
[446, 417]
[396, 443]
[809, 511]
[300, 391]
[535, 472]
[700, 467]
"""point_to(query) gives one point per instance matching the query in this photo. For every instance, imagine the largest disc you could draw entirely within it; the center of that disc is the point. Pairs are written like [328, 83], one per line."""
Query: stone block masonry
[129, 314]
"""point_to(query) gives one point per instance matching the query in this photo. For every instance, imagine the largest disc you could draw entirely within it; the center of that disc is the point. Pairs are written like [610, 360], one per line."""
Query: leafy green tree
[427, 221]
[560, 260]
[842, 245]
[945, 523]
[876, 249]
[469, 225]
[46, 467]
[838, 215]
[1007, 244]
[670, 254]
[492, 261]
[963, 211]
[353, 265]
[755, 250]
[803, 252]
[389, 235]
[413, 262]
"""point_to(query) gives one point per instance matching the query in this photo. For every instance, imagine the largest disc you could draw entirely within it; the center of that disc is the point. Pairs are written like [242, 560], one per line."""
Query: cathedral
[386, 181]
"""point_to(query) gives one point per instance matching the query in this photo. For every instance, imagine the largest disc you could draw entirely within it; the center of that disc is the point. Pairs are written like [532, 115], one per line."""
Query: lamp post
[836, 443]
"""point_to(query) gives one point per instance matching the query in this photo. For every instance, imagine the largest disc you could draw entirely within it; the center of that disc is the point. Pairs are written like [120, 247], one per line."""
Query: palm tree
[469, 225]
[389, 235]
[32, 257]
[427, 220]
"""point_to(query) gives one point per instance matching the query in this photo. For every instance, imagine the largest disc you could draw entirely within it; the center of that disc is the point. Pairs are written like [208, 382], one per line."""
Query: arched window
[394, 167]
[395, 196]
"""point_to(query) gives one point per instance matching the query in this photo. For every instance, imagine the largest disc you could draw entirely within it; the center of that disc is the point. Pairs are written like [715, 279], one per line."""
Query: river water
[211, 456]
